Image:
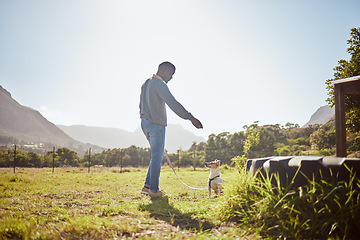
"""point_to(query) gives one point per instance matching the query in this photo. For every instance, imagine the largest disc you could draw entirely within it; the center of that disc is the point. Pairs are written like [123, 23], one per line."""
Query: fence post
[15, 159]
[53, 159]
[121, 161]
[179, 160]
[195, 159]
[89, 159]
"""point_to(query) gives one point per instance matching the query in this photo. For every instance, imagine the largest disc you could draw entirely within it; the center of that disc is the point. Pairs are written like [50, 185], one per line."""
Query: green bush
[319, 210]
[283, 151]
[354, 145]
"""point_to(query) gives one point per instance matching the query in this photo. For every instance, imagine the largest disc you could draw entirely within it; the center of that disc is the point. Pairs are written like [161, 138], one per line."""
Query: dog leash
[168, 159]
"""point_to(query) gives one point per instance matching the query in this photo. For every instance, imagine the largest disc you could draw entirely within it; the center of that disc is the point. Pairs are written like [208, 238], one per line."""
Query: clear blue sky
[83, 62]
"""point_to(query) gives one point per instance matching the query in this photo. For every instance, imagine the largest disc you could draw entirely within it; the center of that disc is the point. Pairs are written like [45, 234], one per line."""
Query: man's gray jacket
[154, 94]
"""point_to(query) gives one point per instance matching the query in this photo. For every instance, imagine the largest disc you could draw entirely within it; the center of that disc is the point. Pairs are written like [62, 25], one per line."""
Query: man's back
[154, 95]
[152, 106]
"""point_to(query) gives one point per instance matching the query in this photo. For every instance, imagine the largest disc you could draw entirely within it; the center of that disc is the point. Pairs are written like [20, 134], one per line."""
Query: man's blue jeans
[155, 134]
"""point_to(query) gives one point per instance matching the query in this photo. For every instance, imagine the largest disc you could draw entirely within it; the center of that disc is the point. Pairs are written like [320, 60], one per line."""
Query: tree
[346, 69]
[186, 158]
[111, 159]
[252, 139]
[193, 147]
[223, 147]
[323, 139]
[201, 146]
[34, 159]
[265, 145]
[236, 142]
[210, 150]
[67, 157]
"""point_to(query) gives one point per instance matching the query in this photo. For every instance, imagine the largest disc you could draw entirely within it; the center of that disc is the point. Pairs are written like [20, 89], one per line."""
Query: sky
[237, 61]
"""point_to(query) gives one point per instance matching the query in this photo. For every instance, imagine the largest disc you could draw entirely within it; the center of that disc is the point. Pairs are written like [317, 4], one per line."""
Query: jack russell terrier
[215, 182]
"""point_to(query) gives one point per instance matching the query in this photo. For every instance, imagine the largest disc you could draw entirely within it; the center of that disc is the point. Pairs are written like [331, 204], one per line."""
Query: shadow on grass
[161, 209]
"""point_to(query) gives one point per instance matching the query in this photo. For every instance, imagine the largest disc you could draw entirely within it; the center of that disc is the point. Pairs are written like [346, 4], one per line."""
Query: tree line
[253, 142]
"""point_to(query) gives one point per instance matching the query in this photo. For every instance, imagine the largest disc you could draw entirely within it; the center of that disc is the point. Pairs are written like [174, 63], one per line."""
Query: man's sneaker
[145, 190]
[159, 193]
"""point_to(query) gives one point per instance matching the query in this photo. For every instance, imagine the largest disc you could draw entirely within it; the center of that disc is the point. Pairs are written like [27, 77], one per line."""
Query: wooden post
[15, 159]
[194, 159]
[89, 159]
[53, 159]
[121, 161]
[179, 161]
[340, 122]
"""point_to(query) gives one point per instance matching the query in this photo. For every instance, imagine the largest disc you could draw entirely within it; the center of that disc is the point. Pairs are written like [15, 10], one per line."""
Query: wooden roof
[346, 80]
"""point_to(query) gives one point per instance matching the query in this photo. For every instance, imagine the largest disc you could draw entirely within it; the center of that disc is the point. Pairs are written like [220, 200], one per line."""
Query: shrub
[318, 210]
[283, 151]
[354, 145]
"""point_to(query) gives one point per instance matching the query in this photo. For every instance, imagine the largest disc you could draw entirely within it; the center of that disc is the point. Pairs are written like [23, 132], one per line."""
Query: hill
[25, 126]
[176, 137]
[22, 125]
[321, 116]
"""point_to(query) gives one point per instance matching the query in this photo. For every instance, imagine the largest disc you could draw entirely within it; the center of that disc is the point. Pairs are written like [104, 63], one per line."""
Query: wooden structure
[343, 87]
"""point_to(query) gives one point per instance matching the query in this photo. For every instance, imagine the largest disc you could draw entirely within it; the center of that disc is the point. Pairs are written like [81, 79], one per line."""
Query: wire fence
[180, 159]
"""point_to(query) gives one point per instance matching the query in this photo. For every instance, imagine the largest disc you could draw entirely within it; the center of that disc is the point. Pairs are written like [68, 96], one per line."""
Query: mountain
[25, 126]
[321, 116]
[22, 125]
[176, 137]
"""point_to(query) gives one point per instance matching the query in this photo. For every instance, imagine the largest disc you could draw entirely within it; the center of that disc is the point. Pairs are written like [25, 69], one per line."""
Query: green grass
[320, 210]
[105, 204]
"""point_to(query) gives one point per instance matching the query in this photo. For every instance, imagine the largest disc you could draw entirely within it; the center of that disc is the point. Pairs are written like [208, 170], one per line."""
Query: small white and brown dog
[215, 181]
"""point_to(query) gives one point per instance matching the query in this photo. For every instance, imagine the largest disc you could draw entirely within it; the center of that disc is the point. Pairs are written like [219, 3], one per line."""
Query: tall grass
[320, 210]
[74, 204]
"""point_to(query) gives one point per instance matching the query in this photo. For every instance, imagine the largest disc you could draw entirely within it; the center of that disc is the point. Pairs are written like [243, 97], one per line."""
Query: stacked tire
[299, 170]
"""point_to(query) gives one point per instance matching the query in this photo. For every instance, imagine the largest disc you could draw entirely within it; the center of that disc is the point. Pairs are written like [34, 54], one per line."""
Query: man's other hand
[196, 123]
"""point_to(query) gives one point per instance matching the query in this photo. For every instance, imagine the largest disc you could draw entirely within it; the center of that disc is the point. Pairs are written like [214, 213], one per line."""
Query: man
[154, 94]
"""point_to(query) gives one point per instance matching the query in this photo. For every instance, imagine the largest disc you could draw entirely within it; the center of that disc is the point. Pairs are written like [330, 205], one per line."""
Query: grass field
[106, 204]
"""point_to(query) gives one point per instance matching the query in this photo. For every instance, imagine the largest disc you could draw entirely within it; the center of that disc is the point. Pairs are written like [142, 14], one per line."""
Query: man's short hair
[167, 65]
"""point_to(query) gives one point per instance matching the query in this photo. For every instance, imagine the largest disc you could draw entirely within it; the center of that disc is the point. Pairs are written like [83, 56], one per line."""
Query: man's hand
[196, 123]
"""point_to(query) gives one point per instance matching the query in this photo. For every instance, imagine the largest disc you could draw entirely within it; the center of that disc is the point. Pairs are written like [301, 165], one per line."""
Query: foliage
[283, 151]
[346, 69]
[256, 141]
[23, 158]
[354, 145]
[252, 139]
[318, 210]
[224, 146]
[67, 157]
[324, 137]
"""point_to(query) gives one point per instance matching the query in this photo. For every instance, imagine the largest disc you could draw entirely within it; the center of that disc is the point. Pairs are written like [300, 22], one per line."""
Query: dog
[215, 181]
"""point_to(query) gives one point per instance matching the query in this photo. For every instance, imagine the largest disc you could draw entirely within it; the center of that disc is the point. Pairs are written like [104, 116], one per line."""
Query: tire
[300, 169]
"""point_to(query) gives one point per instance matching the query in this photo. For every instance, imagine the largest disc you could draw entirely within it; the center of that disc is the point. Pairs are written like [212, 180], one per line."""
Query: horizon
[172, 124]
[83, 62]
[139, 127]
